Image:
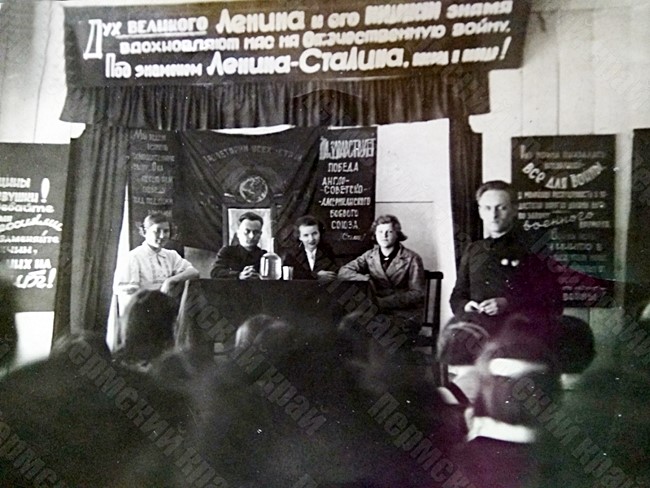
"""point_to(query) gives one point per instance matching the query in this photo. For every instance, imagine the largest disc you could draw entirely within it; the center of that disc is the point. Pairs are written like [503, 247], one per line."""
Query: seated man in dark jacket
[311, 258]
[241, 260]
[500, 275]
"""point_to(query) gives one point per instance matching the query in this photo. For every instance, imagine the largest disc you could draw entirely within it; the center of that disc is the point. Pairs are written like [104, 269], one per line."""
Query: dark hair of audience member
[150, 318]
[253, 330]
[515, 364]
[88, 342]
[8, 333]
[460, 341]
[576, 348]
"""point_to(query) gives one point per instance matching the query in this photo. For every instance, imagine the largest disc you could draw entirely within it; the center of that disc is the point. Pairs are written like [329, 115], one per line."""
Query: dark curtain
[91, 226]
[638, 240]
[466, 175]
[313, 103]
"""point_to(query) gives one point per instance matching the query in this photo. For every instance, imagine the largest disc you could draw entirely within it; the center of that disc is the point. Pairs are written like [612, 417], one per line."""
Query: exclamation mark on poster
[504, 49]
[45, 189]
[50, 278]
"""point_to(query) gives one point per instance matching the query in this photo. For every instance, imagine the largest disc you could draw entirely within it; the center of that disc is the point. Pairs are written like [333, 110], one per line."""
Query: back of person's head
[87, 343]
[575, 345]
[461, 341]
[516, 369]
[150, 318]
[498, 185]
[8, 333]
[258, 330]
[389, 219]
[606, 419]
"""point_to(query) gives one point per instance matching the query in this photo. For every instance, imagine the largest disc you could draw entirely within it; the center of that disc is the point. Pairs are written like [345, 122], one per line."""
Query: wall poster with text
[32, 193]
[565, 187]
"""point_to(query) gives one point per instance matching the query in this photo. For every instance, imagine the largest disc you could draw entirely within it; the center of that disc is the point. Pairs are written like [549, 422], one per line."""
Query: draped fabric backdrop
[638, 240]
[211, 175]
[465, 176]
[91, 226]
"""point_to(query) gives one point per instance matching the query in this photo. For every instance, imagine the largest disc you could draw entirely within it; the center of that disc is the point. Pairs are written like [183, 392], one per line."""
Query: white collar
[495, 429]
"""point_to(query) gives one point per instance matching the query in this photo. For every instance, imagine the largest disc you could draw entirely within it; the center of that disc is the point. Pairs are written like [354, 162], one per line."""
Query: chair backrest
[432, 298]
[428, 337]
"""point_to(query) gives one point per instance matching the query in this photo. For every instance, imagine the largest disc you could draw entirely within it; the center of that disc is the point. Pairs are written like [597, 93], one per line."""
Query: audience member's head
[516, 369]
[309, 231]
[8, 333]
[606, 419]
[156, 229]
[150, 318]
[575, 345]
[258, 329]
[497, 206]
[460, 342]
[87, 342]
[249, 231]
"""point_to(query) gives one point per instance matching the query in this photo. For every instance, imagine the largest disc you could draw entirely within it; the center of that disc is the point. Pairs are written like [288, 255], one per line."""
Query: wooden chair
[427, 339]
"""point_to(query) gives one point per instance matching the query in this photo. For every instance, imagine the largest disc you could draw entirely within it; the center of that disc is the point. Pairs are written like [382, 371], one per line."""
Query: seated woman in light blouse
[150, 266]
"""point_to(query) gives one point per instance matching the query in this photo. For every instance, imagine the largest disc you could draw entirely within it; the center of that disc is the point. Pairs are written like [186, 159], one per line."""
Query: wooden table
[211, 310]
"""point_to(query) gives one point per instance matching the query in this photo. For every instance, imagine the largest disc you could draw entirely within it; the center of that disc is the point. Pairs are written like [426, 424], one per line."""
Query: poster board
[345, 188]
[565, 187]
[152, 174]
[32, 193]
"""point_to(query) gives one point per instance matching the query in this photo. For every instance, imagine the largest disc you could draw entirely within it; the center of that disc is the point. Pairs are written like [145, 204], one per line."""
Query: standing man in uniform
[500, 275]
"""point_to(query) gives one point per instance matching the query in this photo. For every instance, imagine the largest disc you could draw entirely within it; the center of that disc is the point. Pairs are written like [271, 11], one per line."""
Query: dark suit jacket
[506, 267]
[232, 259]
[297, 257]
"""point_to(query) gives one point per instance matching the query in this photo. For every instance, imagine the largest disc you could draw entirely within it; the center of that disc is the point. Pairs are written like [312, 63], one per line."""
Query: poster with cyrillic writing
[344, 198]
[220, 42]
[32, 192]
[565, 187]
[152, 173]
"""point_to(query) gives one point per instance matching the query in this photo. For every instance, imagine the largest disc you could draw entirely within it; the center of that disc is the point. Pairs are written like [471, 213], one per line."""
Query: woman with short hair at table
[311, 258]
[395, 272]
[150, 266]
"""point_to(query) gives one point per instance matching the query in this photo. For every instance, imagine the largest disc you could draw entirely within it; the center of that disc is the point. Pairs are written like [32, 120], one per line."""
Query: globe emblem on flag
[253, 189]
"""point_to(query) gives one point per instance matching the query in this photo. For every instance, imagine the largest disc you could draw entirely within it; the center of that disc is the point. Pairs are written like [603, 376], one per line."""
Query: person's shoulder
[137, 251]
[171, 253]
[228, 249]
[370, 252]
[410, 253]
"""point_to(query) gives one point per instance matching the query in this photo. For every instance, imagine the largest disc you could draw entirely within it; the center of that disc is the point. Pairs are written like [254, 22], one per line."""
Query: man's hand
[326, 275]
[493, 306]
[472, 306]
[249, 273]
